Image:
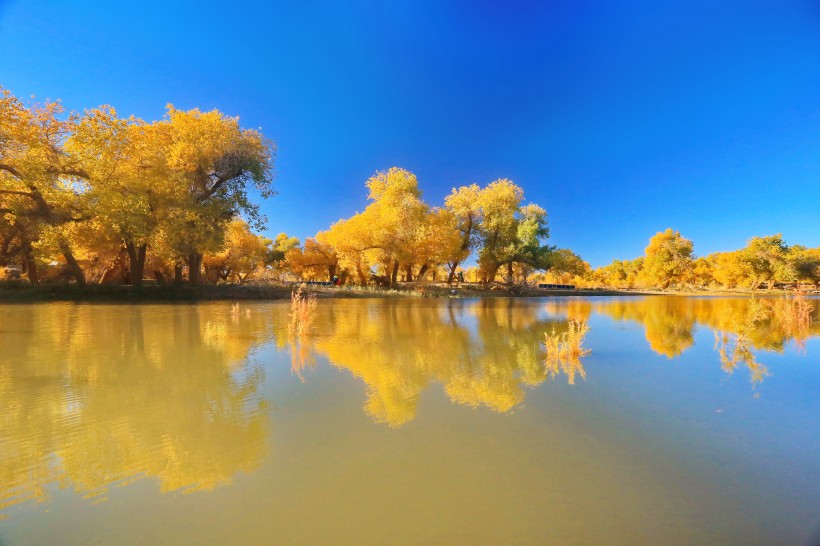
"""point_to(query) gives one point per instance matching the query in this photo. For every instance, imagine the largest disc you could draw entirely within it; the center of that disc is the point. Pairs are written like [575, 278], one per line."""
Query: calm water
[692, 421]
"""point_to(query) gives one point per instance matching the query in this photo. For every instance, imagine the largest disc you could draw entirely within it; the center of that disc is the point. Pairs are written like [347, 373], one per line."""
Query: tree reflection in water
[96, 395]
[487, 352]
[483, 353]
[741, 326]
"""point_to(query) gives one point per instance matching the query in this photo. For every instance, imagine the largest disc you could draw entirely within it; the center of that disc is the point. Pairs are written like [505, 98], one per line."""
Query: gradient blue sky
[620, 118]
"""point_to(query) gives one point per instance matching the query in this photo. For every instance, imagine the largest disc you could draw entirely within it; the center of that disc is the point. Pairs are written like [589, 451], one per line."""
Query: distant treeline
[669, 261]
[95, 197]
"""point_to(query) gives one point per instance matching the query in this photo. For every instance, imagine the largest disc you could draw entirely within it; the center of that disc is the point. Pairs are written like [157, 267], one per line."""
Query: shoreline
[26, 293]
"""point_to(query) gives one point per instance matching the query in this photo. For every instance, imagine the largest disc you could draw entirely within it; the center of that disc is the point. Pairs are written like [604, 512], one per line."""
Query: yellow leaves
[437, 240]
[729, 268]
[398, 230]
[314, 261]
[668, 259]
[169, 185]
[464, 201]
[393, 184]
[198, 138]
[499, 202]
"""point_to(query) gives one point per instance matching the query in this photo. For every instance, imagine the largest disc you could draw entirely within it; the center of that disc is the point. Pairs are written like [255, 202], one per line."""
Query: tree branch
[220, 181]
[14, 192]
[11, 170]
[79, 173]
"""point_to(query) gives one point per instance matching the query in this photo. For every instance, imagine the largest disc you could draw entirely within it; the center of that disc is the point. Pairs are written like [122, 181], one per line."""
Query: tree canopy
[98, 197]
[96, 191]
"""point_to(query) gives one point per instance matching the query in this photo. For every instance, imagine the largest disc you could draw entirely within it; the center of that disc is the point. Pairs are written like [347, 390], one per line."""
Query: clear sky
[620, 118]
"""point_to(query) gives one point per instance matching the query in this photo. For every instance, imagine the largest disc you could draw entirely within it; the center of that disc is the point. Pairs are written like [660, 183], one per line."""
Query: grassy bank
[24, 292]
[18, 292]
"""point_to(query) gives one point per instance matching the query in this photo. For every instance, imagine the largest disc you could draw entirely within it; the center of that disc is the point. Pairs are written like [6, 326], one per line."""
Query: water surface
[692, 420]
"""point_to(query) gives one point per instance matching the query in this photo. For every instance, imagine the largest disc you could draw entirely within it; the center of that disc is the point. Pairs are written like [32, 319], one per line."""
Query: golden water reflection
[482, 353]
[487, 353]
[742, 327]
[669, 322]
[96, 396]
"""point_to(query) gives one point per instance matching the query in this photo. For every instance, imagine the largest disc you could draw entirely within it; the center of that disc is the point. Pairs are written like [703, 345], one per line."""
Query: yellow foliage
[168, 185]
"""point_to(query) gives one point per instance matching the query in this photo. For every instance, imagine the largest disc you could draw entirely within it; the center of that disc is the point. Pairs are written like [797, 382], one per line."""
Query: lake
[411, 421]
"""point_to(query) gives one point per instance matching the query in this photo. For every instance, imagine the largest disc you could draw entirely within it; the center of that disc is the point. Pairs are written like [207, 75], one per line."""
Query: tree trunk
[489, 274]
[194, 267]
[108, 273]
[31, 268]
[422, 271]
[136, 260]
[177, 273]
[73, 267]
[510, 278]
[395, 275]
[4, 252]
[452, 274]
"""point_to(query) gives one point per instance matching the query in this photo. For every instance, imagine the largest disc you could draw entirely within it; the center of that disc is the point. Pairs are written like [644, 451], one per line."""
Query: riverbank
[24, 292]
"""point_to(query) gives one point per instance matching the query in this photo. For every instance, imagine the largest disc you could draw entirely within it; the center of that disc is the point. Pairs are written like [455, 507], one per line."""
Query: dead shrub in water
[301, 357]
[800, 318]
[564, 350]
[802, 310]
[302, 313]
[237, 312]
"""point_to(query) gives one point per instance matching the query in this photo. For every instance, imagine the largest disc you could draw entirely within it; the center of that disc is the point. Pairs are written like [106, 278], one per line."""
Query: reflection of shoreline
[104, 395]
[98, 395]
[669, 321]
[486, 352]
[741, 326]
[483, 353]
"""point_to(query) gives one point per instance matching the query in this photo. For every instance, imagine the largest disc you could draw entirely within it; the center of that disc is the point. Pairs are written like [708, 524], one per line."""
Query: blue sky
[620, 118]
